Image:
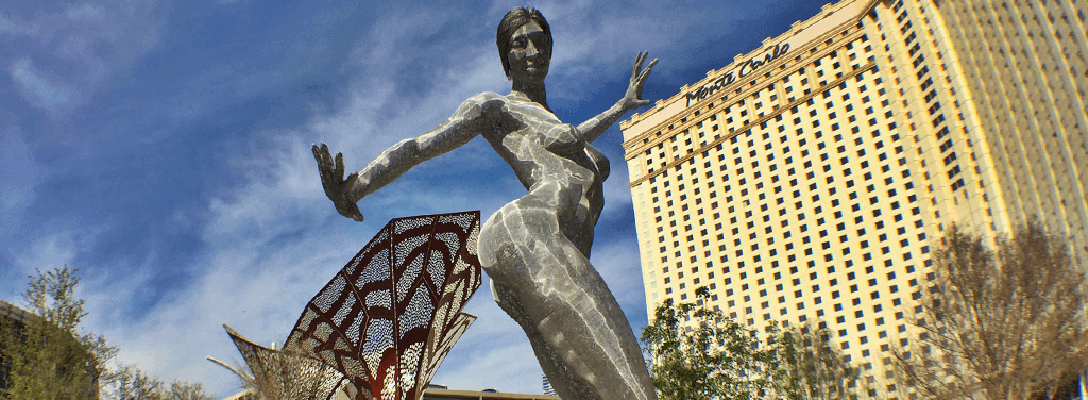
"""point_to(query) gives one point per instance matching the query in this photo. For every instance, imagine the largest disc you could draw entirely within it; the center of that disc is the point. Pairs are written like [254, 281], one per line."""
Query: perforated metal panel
[286, 375]
[389, 316]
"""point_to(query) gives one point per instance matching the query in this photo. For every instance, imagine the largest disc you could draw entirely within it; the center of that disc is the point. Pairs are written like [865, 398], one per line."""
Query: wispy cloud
[20, 173]
[18, 28]
[86, 11]
[76, 49]
[46, 253]
[39, 89]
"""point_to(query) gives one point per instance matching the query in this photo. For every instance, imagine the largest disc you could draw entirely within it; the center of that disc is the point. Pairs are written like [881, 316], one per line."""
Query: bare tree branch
[1005, 324]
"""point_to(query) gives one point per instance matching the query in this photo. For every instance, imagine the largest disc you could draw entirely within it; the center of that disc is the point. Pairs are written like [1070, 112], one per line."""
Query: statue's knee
[500, 299]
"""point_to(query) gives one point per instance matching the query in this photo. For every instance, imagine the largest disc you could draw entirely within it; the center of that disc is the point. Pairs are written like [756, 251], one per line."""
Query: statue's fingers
[323, 165]
[338, 172]
[646, 72]
[650, 66]
[317, 155]
[348, 184]
[322, 156]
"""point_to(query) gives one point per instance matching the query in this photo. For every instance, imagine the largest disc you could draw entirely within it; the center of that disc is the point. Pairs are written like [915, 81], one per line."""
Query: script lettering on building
[729, 77]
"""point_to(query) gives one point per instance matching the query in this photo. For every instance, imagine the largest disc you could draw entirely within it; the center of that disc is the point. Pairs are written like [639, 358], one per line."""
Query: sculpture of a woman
[535, 249]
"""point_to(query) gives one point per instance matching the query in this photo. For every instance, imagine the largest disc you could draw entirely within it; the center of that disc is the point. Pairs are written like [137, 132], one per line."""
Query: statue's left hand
[633, 98]
[337, 188]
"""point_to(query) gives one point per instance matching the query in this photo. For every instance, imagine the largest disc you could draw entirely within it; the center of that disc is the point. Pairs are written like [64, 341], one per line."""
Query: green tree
[133, 384]
[697, 353]
[998, 325]
[47, 358]
[43, 355]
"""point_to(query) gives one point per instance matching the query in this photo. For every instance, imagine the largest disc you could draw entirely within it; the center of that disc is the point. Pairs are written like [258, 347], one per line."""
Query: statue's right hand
[336, 187]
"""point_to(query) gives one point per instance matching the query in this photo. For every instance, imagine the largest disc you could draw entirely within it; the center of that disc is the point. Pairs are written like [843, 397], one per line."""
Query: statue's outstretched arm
[593, 128]
[455, 132]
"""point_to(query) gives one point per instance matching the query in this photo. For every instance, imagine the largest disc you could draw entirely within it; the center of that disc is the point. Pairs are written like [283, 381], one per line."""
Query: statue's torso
[553, 161]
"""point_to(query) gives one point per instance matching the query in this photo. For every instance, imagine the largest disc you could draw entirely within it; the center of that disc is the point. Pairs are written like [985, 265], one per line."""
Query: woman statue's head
[537, 41]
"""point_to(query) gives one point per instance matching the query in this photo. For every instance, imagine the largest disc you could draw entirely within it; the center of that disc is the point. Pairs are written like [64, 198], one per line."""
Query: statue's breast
[562, 139]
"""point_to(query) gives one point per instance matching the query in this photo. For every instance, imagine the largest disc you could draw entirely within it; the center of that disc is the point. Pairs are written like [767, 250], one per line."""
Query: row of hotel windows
[819, 71]
[879, 224]
[794, 110]
[933, 105]
[851, 118]
[774, 166]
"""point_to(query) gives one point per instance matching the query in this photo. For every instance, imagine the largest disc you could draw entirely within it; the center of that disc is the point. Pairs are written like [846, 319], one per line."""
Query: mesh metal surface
[390, 315]
[288, 376]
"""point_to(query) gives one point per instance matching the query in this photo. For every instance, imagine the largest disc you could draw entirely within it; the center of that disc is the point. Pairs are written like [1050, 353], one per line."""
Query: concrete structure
[441, 393]
[13, 312]
[435, 392]
[811, 178]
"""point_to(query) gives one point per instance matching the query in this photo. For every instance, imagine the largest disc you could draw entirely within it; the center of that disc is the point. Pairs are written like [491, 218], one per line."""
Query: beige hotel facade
[812, 178]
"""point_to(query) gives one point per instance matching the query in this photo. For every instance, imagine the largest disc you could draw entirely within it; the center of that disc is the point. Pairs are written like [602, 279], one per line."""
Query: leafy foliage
[52, 296]
[133, 384]
[697, 353]
[998, 325]
[46, 358]
[43, 356]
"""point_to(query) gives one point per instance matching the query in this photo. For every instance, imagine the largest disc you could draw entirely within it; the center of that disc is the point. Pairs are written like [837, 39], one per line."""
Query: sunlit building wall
[811, 179]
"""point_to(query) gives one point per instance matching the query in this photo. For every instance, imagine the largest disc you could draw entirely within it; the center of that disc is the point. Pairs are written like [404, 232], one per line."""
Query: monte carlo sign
[737, 73]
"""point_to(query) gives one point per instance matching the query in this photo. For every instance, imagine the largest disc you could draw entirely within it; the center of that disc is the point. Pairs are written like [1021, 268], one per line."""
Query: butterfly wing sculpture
[388, 318]
[283, 375]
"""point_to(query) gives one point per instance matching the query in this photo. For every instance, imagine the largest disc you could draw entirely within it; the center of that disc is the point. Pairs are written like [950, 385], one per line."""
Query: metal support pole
[1080, 378]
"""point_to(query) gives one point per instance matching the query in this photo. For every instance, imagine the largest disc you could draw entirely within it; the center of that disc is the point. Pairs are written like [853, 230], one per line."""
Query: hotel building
[811, 179]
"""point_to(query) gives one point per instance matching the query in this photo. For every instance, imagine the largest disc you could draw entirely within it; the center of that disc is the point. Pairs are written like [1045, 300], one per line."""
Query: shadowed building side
[14, 322]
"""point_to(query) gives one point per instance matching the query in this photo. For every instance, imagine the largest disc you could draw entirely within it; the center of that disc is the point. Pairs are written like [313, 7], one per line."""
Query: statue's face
[529, 55]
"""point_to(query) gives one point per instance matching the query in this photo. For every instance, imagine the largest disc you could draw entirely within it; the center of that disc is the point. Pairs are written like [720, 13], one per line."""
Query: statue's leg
[580, 335]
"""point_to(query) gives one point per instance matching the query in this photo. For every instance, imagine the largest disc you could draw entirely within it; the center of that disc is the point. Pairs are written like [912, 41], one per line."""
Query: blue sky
[163, 149]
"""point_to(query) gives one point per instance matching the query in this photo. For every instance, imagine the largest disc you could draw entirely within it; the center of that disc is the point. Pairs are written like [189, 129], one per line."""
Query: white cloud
[45, 254]
[259, 291]
[41, 91]
[508, 368]
[20, 172]
[86, 11]
[13, 199]
[11, 27]
[77, 49]
[281, 181]
[493, 353]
